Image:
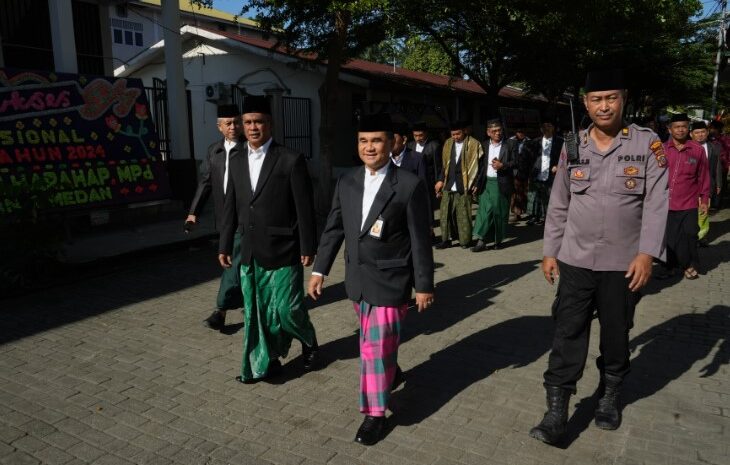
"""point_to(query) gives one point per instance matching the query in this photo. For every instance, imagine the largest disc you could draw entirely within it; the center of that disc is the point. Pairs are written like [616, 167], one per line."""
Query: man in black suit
[430, 150]
[270, 202]
[494, 185]
[404, 157]
[544, 154]
[381, 213]
[214, 179]
[712, 150]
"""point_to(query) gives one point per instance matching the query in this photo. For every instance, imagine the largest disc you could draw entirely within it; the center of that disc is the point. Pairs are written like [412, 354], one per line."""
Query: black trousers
[580, 292]
[682, 230]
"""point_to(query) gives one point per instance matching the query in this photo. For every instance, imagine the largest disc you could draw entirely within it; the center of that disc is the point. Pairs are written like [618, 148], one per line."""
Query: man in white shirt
[495, 186]
[381, 213]
[712, 150]
[456, 185]
[545, 153]
[270, 201]
[214, 180]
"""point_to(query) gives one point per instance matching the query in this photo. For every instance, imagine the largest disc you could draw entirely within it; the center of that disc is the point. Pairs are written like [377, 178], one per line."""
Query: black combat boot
[608, 414]
[554, 424]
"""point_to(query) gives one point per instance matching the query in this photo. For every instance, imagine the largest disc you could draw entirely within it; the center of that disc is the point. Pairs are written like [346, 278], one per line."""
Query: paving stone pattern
[117, 369]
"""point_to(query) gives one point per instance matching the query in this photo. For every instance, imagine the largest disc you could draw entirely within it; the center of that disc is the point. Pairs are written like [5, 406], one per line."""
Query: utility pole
[720, 56]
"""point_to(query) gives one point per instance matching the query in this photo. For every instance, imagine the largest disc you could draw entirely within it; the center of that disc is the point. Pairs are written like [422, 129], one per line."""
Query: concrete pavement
[117, 369]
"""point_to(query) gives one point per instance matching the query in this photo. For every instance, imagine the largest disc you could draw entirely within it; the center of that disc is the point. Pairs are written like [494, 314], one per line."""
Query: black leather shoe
[442, 245]
[274, 369]
[480, 247]
[216, 320]
[497, 246]
[310, 356]
[370, 431]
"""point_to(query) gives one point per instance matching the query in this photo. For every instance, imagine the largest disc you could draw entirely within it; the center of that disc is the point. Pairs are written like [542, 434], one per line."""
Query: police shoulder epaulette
[658, 149]
[644, 129]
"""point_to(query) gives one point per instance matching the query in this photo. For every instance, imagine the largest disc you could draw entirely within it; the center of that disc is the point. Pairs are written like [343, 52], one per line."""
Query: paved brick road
[118, 369]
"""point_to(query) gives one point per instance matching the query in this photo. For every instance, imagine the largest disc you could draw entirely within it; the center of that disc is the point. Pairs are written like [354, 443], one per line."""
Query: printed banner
[86, 142]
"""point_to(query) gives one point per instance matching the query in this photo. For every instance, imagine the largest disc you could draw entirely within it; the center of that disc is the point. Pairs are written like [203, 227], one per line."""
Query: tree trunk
[329, 99]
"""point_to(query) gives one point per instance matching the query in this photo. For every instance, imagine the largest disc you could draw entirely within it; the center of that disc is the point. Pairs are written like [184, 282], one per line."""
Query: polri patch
[658, 149]
[630, 183]
[631, 171]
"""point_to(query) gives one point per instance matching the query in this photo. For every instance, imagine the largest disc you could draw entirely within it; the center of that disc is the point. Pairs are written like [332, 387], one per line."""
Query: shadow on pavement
[710, 258]
[123, 282]
[462, 296]
[429, 386]
[666, 352]
[456, 299]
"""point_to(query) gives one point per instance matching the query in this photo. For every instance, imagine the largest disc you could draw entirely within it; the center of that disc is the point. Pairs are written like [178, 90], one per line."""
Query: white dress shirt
[373, 180]
[458, 146]
[228, 145]
[399, 159]
[494, 150]
[256, 161]
[707, 154]
[419, 147]
[547, 145]
[372, 184]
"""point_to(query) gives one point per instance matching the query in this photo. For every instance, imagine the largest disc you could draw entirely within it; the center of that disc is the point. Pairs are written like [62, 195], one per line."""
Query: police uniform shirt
[605, 208]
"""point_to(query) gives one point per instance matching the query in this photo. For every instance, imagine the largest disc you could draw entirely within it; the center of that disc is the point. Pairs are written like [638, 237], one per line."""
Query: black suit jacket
[505, 176]
[212, 171]
[277, 220]
[381, 271]
[432, 157]
[413, 162]
[713, 156]
[535, 152]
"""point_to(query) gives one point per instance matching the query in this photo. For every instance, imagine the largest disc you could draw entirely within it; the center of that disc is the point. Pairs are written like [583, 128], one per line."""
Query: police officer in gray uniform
[605, 225]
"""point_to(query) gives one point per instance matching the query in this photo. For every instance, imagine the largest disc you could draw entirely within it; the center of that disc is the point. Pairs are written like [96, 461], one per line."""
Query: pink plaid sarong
[380, 329]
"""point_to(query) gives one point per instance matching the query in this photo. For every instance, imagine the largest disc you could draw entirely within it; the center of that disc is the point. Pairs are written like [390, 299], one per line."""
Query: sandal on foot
[691, 273]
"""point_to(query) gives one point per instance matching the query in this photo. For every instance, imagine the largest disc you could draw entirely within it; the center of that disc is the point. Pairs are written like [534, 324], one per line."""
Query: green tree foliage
[423, 54]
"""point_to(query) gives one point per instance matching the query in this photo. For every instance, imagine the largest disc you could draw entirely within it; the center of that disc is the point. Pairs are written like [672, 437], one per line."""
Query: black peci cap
[256, 104]
[678, 117]
[375, 123]
[228, 111]
[605, 79]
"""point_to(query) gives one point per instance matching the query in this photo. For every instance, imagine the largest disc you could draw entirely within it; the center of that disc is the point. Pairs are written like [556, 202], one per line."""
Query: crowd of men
[607, 200]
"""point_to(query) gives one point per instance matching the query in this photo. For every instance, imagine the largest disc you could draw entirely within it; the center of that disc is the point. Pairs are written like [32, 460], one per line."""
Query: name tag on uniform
[376, 230]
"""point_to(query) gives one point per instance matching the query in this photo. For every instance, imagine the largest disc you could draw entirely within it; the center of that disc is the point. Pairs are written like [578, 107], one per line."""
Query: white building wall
[207, 64]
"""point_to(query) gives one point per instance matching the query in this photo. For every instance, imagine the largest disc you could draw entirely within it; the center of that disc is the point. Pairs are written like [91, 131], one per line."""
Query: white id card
[376, 230]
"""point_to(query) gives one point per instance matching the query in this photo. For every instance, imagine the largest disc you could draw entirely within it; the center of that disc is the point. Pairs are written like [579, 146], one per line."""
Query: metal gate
[237, 96]
[157, 98]
[297, 119]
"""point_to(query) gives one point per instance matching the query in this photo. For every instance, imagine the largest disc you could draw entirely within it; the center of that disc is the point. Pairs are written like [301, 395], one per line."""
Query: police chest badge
[578, 174]
[630, 183]
[376, 230]
[631, 171]
[658, 150]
